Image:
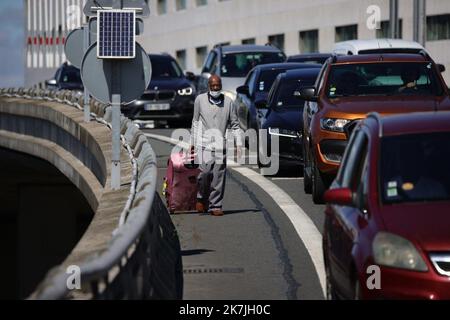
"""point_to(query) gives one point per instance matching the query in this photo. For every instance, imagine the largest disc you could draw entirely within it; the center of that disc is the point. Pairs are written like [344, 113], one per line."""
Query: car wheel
[318, 185]
[307, 183]
[259, 152]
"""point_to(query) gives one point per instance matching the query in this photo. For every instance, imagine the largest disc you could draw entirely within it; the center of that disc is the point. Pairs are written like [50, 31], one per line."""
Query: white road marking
[304, 226]
[287, 178]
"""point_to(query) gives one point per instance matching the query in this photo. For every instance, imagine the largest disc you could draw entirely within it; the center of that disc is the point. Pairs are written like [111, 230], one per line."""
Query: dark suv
[170, 95]
[67, 77]
[233, 63]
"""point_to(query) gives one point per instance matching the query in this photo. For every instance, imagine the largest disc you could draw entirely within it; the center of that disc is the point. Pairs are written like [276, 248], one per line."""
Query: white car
[354, 47]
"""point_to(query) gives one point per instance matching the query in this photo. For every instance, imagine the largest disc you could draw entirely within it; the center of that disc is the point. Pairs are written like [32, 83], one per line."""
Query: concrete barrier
[131, 249]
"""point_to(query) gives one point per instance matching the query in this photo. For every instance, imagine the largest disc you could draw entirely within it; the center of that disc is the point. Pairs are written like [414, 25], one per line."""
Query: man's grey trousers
[211, 180]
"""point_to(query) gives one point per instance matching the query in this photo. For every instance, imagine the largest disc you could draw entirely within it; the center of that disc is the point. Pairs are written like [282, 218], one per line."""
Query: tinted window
[71, 75]
[165, 68]
[266, 79]
[239, 64]
[415, 167]
[383, 78]
[285, 94]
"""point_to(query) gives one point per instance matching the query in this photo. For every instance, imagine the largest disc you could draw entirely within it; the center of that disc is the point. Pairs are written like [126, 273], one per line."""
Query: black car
[256, 88]
[285, 112]
[319, 58]
[169, 97]
[67, 77]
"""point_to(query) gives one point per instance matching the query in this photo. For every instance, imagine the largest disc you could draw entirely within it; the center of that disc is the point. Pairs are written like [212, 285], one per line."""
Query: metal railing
[143, 257]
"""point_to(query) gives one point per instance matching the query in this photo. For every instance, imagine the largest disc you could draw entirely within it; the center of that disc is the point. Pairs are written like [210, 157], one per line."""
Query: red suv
[389, 209]
[350, 87]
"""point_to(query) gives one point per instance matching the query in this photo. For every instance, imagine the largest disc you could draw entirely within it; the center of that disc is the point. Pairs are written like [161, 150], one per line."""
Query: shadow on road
[195, 252]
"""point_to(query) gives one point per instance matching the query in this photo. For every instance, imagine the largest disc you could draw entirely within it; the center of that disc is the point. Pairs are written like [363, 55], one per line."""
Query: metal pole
[86, 42]
[115, 123]
[422, 27]
[394, 25]
[419, 21]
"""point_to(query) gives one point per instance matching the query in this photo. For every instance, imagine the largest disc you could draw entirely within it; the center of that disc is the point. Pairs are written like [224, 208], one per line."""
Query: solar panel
[116, 34]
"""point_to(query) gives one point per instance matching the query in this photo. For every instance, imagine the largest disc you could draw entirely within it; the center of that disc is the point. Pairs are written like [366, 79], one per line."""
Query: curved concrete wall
[130, 226]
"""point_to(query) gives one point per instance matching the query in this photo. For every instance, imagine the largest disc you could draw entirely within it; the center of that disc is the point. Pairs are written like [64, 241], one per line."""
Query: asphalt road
[254, 251]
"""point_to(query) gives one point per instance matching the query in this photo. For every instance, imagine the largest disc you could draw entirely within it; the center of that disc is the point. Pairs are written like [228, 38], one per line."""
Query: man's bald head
[215, 83]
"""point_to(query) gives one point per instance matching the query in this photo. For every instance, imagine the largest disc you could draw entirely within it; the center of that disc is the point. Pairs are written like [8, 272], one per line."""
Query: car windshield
[414, 168]
[383, 78]
[237, 65]
[165, 68]
[71, 76]
[285, 96]
[266, 79]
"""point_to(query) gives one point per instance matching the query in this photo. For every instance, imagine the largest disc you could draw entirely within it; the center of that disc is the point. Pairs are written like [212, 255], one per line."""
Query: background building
[187, 29]
[47, 24]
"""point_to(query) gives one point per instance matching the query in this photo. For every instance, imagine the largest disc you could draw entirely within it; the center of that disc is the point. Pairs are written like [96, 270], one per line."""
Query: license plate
[156, 106]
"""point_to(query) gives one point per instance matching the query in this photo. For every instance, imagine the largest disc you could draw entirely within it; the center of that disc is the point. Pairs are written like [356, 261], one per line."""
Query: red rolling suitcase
[180, 182]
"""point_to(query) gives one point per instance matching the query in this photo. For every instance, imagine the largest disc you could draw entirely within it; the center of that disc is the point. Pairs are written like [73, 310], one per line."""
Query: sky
[12, 40]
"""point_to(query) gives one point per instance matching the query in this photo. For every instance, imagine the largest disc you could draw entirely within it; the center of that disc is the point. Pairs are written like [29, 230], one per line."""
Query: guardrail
[143, 257]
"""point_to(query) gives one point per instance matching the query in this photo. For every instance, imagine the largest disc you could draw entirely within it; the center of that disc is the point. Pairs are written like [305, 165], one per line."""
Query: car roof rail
[425, 54]
[333, 57]
[377, 117]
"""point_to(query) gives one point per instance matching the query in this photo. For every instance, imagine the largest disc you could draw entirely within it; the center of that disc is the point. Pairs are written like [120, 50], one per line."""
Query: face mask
[215, 94]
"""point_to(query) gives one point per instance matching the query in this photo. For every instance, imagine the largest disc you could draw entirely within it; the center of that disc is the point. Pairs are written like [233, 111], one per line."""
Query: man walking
[213, 112]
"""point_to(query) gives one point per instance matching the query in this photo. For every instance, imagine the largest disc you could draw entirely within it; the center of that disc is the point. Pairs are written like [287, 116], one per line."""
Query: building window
[200, 3]
[181, 58]
[438, 27]
[384, 31]
[249, 41]
[309, 41]
[162, 7]
[345, 33]
[201, 55]
[277, 40]
[180, 5]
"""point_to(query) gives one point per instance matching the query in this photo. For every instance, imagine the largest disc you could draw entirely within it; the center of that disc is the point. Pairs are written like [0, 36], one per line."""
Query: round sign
[73, 48]
[130, 76]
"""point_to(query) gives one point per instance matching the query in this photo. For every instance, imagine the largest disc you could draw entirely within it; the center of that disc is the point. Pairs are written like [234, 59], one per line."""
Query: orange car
[350, 87]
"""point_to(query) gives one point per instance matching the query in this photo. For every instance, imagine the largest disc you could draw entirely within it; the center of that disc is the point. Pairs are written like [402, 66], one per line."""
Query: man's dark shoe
[217, 212]
[201, 207]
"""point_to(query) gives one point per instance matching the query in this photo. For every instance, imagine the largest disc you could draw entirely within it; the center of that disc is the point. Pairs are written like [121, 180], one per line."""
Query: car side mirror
[261, 104]
[243, 90]
[206, 75]
[306, 93]
[339, 196]
[51, 82]
[441, 67]
[190, 76]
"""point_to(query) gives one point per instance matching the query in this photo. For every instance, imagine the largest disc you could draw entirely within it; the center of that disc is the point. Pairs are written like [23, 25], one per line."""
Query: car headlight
[186, 91]
[394, 251]
[230, 94]
[332, 124]
[284, 132]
